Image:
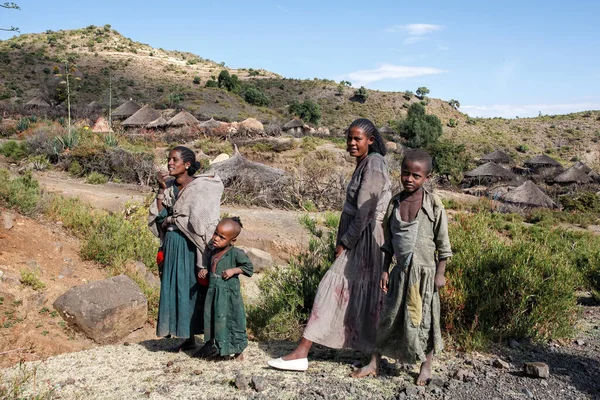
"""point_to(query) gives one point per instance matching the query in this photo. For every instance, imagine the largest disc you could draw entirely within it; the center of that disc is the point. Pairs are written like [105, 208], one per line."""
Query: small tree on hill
[420, 129]
[361, 94]
[408, 95]
[211, 83]
[454, 104]
[449, 160]
[227, 81]
[308, 111]
[256, 97]
[422, 92]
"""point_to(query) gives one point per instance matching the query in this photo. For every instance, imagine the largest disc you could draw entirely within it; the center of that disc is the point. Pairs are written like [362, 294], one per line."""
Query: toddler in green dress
[224, 314]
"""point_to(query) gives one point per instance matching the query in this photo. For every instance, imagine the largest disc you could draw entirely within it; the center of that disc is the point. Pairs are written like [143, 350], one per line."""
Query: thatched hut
[126, 110]
[572, 176]
[498, 157]
[294, 127]
[582, 167]
[158, 123]
[528, 195]
[251, 126]
[488, 173]
[183, 118]
[94, 106]
[142, 117]
[211, 124]
[37, 102]
[101, 126]
[542, 161]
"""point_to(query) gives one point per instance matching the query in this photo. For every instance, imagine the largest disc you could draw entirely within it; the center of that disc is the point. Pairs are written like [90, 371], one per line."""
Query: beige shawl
[196, 211]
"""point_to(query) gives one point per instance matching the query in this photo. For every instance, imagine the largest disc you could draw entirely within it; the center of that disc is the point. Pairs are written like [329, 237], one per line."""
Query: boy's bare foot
[425, 373]
[300, 352]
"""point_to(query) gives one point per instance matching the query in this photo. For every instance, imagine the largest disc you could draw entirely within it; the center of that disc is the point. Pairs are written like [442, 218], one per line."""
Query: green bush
[211, 83]
[418, 128]
[32, 280]
[39, 162]
[196, 80]
[287, 294]
[506, 282]
[75, 169]
[22, 193]
[522, 148]
[452, 123]
[96, 178]
[23, 124]
[582, 202]
[14, 151]
[256, 97]
[449, 159]
[308, 111]
[361, 94]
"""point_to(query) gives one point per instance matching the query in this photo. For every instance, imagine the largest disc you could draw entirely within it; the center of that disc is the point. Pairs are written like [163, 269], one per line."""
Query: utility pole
[109, 98]
[68, 96]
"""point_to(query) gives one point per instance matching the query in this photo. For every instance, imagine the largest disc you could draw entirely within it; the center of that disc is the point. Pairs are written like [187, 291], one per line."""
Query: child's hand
[202, 273]
[339, 249]
[439, 281]
[228, 273]
[383, 283]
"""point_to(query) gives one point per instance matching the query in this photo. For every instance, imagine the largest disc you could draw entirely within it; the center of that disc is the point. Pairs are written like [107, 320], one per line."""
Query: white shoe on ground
[300, 364]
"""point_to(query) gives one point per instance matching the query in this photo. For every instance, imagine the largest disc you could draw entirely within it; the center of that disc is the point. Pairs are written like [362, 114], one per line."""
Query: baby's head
[416, 169]
[226, 232]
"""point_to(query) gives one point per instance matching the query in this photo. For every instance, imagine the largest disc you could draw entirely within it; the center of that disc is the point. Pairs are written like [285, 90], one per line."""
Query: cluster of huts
[520, 186]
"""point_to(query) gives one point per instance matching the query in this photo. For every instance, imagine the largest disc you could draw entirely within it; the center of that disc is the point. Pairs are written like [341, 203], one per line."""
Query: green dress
[181, 297]
[224, 314]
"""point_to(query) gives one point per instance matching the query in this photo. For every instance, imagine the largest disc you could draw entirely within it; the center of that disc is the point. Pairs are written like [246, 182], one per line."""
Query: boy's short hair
[421, 156]
[235, 223]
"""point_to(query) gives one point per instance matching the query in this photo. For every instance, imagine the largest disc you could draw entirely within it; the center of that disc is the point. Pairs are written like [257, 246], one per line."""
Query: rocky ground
[149, 370]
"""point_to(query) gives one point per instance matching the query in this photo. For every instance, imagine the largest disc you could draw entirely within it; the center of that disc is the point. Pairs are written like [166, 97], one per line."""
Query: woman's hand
[202, 273]
[168, 221]
[339, 249]
[161, 177]
[439, 281]
[383, 282]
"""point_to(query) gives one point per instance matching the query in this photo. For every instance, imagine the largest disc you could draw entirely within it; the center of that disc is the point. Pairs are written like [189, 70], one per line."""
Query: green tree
[227, 81]
[256, 97]
[361, 94]
[420, 129]
[196, 80]
[449, 159]
[422, 92]
[308, 110]
[12, 6]
[454, 104]
[408, 95]
[340, 89]
[211, 83]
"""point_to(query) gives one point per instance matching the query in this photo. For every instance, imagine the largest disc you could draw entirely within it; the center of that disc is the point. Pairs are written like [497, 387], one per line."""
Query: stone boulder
[106, 310]
[261, 260]
[391, 146]
[220, 157]
[252, 125]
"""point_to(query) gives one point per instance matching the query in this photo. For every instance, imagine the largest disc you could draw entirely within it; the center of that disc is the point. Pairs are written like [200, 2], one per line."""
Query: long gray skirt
[346, 309]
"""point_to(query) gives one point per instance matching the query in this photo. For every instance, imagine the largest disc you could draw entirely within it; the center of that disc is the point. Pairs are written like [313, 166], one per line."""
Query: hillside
[171, 79]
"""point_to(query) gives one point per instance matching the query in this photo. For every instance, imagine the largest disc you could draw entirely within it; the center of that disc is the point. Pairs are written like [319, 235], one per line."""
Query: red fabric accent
[160, 257]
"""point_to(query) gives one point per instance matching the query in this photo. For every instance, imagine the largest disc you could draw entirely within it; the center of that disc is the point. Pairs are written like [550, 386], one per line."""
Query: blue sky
[497, 58]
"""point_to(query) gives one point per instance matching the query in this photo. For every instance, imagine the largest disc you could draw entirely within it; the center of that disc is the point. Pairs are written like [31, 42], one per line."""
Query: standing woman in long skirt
[184, 216]
[346, 309]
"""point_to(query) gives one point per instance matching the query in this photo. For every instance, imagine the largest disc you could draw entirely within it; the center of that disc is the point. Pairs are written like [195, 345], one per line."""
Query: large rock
[537, 370]
[106, 310]
[252, 125]
[220, 157]
[261, 260]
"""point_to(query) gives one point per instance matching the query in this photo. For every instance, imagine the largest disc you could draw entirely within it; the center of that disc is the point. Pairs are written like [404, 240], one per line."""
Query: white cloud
[415, 29]
[527, 110]
[389, 71]
[413, 40]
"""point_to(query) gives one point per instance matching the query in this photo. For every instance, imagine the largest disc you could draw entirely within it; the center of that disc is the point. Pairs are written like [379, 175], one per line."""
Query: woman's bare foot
[425, 373]
[371, 369]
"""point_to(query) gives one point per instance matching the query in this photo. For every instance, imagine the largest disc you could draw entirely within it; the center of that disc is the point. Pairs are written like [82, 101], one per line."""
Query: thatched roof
[142, 117]
[491, 169]
[126, 109]
[210, 124]
[572, 175]
[94, 105]
[157, 123]
[498, 156]
[528, 195]
[294, 123]
[183, 118]
[101, 126]
[542, 160]
[252, 125]
[582, 167]
[37, 102]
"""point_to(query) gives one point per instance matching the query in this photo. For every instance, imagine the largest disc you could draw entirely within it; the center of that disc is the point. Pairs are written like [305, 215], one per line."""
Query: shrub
[361, 94]
[96, 178]
[420, 129]
[287, 294]
[196, 80]
[31, 279]
[22, 193]
[75, 169]
[110, 140]
[582, 202]
[407, 95]
[39, 162]
[422, 92]
[452, 123]
[522, 148]
[308, 111]
[501, 287]
[256, 97]
[454, 104]
[14, 151]
[211, 83]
